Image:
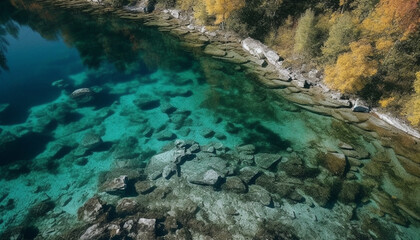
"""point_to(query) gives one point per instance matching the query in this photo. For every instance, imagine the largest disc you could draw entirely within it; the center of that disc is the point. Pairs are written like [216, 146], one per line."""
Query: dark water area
[59, 148]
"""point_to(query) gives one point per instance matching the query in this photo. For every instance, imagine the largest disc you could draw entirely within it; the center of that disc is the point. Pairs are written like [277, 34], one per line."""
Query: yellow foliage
[383, 44]
[352, 69]
[393, 16]
[386, 101]
[223, 8]
[412, 107]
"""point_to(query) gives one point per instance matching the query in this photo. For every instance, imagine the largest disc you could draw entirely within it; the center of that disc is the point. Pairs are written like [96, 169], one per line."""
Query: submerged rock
[91, 141]
[336, 163]
[146, 229]
[82, 95]
[144, 187]
[166, 135]
[259, 194]
[146, 102]
[116, 185]
[249, 174]
[267, 160]
[234, 184]
[207, 133]
[94, 210]
[209, 177]
[126, 206]
[167, 108]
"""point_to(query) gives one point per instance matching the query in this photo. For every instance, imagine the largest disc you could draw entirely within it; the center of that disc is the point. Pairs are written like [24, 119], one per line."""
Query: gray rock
[234, 184]
[167, 108]
[259, 194]
[209, 177]
[246, 149]
[169, 170]
[116, 185]
[266, 160]
[157, 163]
[295, 196]
[126, 206]
[96, 231]
[249, 174]
[146, 102]
[195, 148]
[220, 136]
[92, 210]
[272, 57]
[82, 95]
[91, 141]
[207, 133]
[254, 47]
[360, 107]
[146, 229]
[178, 118]
[144, 187]
[166, 136]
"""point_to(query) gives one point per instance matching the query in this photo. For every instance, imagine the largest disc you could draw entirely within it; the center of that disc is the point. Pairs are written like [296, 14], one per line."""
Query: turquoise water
[147, 91]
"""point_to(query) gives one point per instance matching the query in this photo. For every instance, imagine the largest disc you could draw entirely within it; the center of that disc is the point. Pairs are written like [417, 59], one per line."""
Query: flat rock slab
[267, 160]
[214, 50]
[249, 174]
[209, 177]
[157, 163]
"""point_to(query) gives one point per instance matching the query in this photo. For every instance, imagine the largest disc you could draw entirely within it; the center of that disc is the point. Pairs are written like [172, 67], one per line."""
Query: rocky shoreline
[268, 61]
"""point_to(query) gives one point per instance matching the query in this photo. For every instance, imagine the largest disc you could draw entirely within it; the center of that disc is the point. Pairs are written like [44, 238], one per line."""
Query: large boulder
[254, 47]
[116, 185]
[93, 210]
[336, 163]
[146, 229]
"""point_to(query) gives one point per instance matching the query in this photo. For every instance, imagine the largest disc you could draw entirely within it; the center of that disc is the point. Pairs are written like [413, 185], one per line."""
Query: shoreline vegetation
[293, 67]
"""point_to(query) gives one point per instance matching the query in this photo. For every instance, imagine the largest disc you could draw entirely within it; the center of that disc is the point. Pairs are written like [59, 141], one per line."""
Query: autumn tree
[221, 9]
[412, 107]
[305, 37]
[391, 21]
[341, 34]
[353, 69]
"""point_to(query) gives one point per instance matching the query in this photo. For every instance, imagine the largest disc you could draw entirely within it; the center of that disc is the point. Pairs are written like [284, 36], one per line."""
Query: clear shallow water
[124, 63]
